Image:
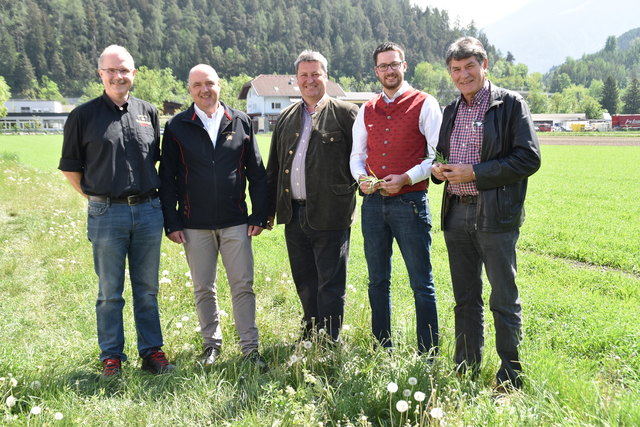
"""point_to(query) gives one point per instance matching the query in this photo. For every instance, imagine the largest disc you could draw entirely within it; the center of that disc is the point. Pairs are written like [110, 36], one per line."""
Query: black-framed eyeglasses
[394, 66]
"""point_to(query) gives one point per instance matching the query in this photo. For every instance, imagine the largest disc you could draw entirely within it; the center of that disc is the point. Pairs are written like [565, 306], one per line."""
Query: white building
[268, 94]
[25, 115]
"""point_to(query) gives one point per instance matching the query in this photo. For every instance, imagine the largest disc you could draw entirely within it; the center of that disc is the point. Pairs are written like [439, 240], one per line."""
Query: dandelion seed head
[35, 384]
[267, 279]
[406, 392]
[188, 274]
[402, 406]
[185, 318]
[307, 345]
[346, 327]
[413, 381]
[172, 298]
[178, 325]
[198, 329]
[392, 387]
[164, 254]
[165, 272]
[165, 280]
[13, 382]
[11, 401]
[437, 413]
[36, 410]
[293, 359]
[58, 416]
[419, 396]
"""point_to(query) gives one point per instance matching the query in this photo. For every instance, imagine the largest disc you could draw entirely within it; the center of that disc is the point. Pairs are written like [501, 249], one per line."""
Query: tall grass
[578, 274]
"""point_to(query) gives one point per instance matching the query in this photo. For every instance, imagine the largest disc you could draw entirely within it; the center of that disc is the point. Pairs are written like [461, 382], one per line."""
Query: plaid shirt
[466, 137]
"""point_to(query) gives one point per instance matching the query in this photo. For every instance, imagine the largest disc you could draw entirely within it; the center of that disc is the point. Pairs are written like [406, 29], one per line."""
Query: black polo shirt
[115, 148]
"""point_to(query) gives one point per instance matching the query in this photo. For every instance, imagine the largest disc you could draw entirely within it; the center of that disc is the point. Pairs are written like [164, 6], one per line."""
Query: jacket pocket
[332, 137]
[343, 189]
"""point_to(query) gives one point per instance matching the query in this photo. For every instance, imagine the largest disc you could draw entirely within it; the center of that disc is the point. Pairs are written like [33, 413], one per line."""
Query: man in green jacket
[312, 192]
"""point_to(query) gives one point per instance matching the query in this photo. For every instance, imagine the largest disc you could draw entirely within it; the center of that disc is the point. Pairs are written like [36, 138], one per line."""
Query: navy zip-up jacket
[205, 187]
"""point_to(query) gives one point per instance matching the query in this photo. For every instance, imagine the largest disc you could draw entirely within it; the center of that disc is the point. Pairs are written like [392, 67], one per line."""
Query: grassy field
[579, 275]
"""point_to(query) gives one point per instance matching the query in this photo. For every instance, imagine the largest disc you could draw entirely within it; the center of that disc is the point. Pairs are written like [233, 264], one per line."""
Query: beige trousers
[233, 244]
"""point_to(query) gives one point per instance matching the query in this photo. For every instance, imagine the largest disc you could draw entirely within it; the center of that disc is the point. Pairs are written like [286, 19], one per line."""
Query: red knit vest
[394, 143]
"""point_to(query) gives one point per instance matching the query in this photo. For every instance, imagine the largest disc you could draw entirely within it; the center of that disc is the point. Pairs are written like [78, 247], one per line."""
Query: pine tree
[631, 98]
[610, 96]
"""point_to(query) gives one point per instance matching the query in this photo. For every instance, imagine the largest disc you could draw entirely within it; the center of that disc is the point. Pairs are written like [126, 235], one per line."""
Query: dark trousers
[318, 262]
[469, 250]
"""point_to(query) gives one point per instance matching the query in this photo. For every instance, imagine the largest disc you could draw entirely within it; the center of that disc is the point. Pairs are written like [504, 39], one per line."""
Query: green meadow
[578, 272]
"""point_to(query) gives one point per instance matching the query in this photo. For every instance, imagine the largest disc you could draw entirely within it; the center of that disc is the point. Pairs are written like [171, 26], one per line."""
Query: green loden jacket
[330, 187]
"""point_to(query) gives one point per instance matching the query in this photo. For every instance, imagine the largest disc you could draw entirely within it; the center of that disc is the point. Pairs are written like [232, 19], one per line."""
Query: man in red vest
[394, 139]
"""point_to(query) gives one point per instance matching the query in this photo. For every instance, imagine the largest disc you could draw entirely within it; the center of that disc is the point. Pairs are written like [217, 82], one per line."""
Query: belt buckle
[133, 200]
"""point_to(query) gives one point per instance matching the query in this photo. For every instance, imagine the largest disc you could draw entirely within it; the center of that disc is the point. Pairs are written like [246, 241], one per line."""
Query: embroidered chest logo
[143, 120]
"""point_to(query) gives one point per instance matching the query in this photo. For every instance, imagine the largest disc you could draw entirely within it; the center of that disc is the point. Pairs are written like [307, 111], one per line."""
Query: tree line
[50, 48]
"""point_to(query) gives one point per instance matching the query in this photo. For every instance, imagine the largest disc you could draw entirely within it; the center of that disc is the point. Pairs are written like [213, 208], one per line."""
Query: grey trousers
[233, 244]
[469, 250]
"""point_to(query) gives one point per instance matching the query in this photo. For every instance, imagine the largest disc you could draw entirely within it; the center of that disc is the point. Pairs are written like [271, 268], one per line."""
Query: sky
[543, 33]
[483, 13]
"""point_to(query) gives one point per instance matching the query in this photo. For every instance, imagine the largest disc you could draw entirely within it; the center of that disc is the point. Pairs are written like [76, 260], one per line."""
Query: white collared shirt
[211, 125]
[429, 125]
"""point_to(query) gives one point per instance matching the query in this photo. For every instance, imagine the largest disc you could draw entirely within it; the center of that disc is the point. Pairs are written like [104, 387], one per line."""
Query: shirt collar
[203, 115]
[481, 96]
[405, 86]
[318, 104]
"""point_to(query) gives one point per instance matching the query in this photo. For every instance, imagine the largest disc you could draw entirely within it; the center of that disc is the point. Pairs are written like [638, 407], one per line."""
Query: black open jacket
[510, 154]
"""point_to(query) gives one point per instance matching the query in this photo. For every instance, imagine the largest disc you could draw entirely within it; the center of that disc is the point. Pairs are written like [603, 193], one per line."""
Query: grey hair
[465, 47]
[114, 48]
[312, 56]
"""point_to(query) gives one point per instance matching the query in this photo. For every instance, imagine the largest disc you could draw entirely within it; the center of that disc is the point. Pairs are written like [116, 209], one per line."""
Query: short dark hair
[386, 46]
[465, 47]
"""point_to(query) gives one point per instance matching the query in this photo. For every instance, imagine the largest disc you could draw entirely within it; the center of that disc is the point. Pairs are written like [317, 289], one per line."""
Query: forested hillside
[61, 39]
[619, 59]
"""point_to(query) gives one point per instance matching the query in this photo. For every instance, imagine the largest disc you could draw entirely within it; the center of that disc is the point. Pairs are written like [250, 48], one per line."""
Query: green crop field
[579, 275]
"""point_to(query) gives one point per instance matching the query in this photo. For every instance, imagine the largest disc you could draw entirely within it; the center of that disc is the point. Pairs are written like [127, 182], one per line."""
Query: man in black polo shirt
[110, 148]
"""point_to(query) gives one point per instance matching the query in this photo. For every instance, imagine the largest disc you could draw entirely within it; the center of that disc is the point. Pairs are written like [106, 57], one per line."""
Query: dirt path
[588, 140]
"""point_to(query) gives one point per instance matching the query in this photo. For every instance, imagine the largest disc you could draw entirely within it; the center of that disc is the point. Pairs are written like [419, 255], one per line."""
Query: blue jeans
[407, 219]
[118, 232]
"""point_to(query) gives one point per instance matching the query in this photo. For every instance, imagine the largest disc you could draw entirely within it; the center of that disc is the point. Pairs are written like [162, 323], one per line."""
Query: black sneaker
[111, 367]
[257, 360]
[209, 356]
[157, 363]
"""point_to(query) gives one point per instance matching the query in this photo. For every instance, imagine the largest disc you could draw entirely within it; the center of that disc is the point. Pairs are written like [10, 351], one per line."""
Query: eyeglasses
[394, 66]
[114, 71]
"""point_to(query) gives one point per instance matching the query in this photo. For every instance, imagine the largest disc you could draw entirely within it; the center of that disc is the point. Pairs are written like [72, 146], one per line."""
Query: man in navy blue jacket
[209, 153]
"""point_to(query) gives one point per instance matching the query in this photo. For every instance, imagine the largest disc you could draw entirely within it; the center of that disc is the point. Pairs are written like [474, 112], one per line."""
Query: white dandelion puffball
[36, 410]
[406, 392]
[402, 406]
[392, 387]
[11, 401]
[307, 345]
[413, 381]
[419, 396]
[58, 416]
[437, 413]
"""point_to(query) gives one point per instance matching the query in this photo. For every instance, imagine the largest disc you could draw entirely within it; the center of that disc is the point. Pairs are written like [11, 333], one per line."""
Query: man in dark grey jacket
[490, 146]
[313, 193]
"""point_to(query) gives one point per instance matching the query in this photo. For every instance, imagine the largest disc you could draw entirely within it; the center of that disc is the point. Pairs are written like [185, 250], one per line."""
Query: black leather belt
[466, 200]
[299, 202]
[129, 200]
